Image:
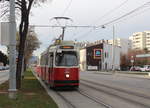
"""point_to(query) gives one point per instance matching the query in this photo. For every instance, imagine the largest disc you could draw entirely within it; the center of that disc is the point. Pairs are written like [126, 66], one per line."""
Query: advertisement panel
[97, 53]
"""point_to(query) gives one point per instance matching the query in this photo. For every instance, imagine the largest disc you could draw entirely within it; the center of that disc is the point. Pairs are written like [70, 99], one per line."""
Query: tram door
[51, 58]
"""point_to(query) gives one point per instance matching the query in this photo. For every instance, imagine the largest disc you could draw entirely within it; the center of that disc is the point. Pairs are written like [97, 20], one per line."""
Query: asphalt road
[117, 90]
[131, 82]
[4, 76]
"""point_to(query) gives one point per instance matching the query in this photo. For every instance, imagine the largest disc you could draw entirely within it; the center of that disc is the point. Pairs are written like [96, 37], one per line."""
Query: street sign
[4, 33]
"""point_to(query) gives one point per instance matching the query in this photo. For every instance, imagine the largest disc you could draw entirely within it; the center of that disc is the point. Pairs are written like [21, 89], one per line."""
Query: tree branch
[18, 8]
[29, 6]
[4, 13]
[18, 3]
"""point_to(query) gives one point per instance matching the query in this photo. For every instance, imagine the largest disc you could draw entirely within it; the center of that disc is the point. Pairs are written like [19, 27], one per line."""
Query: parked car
[145, 68]
[135, 68]
[1, 68]
[6, 67]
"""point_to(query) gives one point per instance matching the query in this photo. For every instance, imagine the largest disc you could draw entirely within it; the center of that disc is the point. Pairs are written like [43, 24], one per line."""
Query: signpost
[4, 33]
[12, 51]
[8, 38]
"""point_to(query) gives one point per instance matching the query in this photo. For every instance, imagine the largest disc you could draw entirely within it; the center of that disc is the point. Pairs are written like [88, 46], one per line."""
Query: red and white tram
[59, 65]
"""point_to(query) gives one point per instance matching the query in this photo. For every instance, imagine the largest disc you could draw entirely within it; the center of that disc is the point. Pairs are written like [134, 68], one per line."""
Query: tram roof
[56, 45]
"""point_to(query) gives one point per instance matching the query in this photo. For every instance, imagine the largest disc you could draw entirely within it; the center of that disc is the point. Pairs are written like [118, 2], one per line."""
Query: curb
[59, 101]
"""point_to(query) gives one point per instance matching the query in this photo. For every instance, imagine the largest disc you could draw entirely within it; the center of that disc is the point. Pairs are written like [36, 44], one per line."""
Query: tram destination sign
[66, 47]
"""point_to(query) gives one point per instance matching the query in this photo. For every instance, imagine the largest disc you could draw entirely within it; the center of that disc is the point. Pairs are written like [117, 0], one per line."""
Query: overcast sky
[89, 12]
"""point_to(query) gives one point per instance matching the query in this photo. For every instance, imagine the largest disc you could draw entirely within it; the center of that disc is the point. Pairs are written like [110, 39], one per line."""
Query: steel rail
[94, 99]
[119, 89]
[66, 100]
[115, 95]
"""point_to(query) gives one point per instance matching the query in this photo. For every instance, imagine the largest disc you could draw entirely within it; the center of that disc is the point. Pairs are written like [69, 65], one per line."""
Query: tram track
[86, 95]
[69, 103]
[94, 99]
[118, 92]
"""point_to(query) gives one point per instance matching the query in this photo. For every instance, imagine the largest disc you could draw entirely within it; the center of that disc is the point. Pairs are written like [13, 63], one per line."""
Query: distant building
[140, 40]
[125, 44]
[99, 57]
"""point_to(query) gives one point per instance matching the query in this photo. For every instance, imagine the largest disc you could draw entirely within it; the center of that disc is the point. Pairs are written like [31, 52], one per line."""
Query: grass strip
[137, 73]
[31, 95]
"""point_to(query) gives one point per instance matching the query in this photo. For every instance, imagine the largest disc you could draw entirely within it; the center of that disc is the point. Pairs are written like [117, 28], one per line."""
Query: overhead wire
[123, 16]
[67, 7]
[111, 11]
[127, 14]
[137, 14]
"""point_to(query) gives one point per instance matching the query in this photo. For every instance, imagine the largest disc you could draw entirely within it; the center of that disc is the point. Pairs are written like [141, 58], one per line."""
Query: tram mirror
[59, 51]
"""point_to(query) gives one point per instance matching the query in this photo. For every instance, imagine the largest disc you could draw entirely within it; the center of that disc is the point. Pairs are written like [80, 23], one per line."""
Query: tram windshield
[66, 58]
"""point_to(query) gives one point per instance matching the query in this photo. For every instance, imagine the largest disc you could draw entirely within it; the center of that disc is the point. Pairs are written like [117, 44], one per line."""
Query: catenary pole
[12, 51]
[113, 50]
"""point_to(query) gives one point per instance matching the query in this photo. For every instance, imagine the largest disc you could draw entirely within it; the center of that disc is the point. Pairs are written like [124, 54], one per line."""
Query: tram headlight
[67, 75]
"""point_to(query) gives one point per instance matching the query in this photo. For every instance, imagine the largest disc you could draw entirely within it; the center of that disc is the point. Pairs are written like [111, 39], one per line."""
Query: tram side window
[50, 60]
[66, 58]
[42, 60]
[46, 59]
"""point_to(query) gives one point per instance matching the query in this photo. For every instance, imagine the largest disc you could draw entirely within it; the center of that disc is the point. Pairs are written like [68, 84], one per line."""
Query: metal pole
[113, 50]
[12, 52]
[63, 32]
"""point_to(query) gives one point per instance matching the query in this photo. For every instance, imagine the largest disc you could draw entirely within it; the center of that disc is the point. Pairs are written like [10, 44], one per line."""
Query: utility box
[4, 33]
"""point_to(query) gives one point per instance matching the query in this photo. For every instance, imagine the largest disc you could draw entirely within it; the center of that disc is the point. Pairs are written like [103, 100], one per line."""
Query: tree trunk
[19, 64]
[21, 52]
[25, 65]
[22, 72]
[23, 30]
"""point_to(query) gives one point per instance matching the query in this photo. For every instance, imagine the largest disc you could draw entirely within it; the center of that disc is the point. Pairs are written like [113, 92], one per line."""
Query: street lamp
[113, 48]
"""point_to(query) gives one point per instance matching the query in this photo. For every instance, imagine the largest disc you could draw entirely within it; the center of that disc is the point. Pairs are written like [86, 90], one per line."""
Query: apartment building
[140, 40]
[147, 44]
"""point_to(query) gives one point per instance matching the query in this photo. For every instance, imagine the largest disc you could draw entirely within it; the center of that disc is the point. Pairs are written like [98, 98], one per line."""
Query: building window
[137, 38]
[137, 41]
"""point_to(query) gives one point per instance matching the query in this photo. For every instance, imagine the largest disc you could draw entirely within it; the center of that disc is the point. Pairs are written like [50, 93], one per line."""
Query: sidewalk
[144, 75]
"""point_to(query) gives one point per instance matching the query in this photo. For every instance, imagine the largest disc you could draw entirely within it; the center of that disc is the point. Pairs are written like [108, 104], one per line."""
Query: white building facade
[107, 58]
[105, 62]
[140, 40]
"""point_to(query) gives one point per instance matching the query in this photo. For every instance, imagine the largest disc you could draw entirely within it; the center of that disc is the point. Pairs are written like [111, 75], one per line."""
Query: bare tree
[32, 43]
[24, 8]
